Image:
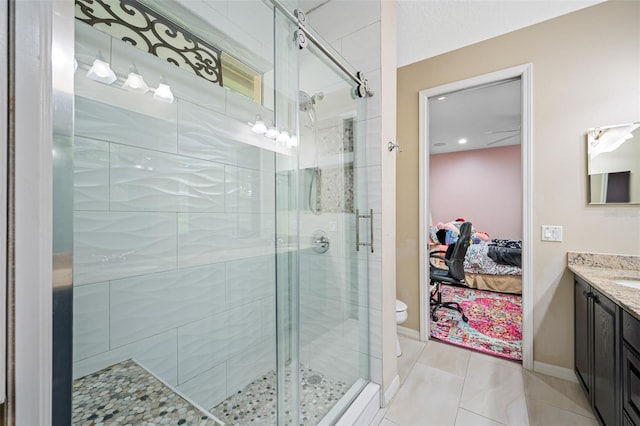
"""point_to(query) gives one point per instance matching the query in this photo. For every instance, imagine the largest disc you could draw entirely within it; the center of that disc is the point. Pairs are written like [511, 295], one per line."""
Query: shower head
[317, 97]
[304, 101]
[307, 102]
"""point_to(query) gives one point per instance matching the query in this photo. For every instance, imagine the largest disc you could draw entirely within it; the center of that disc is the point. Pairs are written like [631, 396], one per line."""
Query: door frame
[524, 72]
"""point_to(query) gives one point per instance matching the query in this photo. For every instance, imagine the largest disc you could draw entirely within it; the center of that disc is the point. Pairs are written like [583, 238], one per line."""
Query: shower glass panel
[334, 315]
[216, 270]
[174, 214]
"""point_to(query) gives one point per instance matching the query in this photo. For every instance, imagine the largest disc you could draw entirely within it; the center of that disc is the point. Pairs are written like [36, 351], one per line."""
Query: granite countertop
[599, 270]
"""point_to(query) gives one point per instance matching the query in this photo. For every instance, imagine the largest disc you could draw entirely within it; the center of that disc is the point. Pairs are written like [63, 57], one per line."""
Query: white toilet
[401, 316]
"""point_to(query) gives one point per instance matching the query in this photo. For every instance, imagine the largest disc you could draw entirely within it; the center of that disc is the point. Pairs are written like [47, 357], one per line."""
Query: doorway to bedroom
[474, 167]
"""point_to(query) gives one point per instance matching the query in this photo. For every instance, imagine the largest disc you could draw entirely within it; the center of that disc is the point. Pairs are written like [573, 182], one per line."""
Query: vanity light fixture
[259, 127]
[163, 92]
[101, 72]
[272, 132]
[293, 141]
[283, 137]
[135, 82]
[462, 141]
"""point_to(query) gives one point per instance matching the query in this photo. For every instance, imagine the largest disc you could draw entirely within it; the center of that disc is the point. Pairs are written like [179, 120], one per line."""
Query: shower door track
[357, 77]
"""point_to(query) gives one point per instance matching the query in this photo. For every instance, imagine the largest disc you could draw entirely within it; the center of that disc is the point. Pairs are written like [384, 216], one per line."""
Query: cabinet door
[631, 384]
[605, 353]
[626, 421]
[582, 335]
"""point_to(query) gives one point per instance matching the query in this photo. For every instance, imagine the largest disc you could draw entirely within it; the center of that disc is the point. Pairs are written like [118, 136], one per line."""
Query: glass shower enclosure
[221, 229]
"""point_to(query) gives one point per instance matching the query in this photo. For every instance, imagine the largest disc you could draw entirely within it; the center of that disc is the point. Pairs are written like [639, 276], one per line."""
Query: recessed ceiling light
[442, 98]
[462, 141]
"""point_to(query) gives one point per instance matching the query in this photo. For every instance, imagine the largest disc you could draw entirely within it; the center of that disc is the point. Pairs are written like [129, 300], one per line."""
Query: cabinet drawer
[631, 330]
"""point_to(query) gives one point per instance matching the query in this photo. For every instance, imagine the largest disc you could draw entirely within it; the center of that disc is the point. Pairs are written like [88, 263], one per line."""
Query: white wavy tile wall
[174, 236]
[202, 344]
[241, 187]
[242, 285]
[242, 367]
[91, 174]
[144, 180]
[207, 238]
[212, 136]
[209, 388]
[158, 353]
[149, 304]
[91, 320]
[98, 120]
[112, 245]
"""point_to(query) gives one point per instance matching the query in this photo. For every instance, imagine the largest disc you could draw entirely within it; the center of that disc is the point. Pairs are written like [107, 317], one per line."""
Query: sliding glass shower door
[221, 229]
[335, 239]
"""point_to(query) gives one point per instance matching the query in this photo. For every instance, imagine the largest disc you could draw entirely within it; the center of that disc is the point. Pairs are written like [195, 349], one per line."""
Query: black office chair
[453, 274]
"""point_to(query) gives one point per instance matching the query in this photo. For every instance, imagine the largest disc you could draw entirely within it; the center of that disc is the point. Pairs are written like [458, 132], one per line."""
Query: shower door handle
[364, 216]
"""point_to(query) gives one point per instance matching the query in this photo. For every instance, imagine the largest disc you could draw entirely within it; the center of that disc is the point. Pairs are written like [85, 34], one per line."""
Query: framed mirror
[613, 164]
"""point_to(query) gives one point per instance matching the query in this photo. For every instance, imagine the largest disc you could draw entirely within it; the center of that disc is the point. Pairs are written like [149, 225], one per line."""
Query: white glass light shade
[135, 83]
[293, 141]
[283, 137]
[272, 132]
[259, 127]
[163, 93]
[102, 72]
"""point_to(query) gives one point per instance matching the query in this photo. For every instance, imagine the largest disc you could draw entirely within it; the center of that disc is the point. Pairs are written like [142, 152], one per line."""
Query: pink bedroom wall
[482, 186]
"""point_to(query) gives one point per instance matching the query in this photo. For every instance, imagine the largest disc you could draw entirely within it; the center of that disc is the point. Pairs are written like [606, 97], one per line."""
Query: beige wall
[586, 73]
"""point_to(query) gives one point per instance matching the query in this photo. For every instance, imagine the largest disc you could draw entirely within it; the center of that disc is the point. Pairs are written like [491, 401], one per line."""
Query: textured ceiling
[428, 28]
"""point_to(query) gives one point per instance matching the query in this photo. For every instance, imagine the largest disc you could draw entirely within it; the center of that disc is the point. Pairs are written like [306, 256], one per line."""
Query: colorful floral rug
[495, 321]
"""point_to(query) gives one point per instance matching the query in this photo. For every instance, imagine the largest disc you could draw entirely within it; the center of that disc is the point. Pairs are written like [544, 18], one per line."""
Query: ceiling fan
[515, 132]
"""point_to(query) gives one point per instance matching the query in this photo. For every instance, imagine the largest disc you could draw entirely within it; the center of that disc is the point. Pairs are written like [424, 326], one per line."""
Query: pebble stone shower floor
[256, 403]
[127, 394]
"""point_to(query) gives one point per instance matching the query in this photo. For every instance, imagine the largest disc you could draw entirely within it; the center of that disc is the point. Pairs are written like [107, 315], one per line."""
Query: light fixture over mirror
[613, 164]
[135, 82]
[163, 92]
[101, 71]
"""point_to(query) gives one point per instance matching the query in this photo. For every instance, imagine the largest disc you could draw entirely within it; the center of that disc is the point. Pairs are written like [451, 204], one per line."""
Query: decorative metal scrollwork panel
[144, 28]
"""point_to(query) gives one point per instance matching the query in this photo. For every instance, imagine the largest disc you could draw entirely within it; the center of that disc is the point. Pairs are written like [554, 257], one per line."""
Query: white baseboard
[408, 332]
[391, 391]
[555, 371]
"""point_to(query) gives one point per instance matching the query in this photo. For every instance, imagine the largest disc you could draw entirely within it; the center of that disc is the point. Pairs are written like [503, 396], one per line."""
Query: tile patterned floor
[127, 394]
[447, 385]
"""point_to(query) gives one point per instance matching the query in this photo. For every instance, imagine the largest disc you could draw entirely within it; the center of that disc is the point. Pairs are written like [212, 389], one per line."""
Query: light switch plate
[551, 233]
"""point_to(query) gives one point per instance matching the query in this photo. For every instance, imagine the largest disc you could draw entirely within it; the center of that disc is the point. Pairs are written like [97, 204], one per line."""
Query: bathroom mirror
[613, 164]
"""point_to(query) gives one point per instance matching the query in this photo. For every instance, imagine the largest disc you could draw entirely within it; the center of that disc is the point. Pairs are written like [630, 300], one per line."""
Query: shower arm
[363, 85]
